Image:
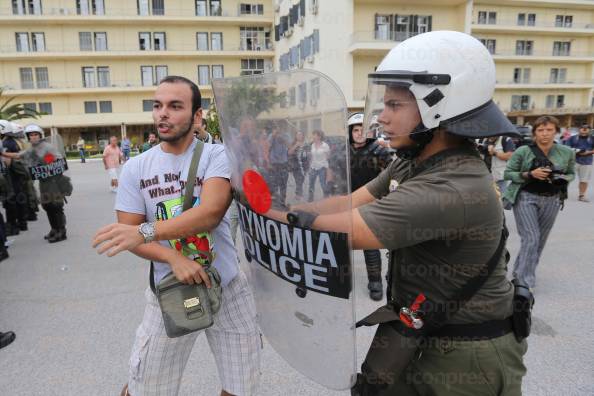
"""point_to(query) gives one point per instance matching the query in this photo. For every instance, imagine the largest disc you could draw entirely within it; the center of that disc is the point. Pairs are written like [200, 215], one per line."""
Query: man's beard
[178, 136]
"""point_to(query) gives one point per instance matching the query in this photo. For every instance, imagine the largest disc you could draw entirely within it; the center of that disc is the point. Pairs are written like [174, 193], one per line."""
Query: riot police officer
[368, 159]
[447, 327]
[48, 166]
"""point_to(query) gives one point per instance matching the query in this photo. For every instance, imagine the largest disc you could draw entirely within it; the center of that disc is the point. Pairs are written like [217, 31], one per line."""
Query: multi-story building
[92, 65]
[543, 49]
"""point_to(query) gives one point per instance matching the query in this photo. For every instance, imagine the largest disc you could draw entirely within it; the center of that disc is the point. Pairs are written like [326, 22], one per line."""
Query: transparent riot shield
[286, 138]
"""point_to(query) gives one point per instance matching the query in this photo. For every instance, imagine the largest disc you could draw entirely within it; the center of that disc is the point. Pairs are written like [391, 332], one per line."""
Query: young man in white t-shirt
[150, 195]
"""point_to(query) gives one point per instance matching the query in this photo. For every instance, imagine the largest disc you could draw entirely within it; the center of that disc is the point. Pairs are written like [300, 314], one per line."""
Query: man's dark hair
[196, 97]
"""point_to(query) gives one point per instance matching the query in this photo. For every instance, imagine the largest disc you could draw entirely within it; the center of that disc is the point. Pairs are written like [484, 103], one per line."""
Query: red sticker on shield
[256, 191]
[49, 158]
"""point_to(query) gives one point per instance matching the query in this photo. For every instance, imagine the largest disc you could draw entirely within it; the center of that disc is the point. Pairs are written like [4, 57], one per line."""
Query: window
[105, 106]
[523, 21]
[202, 41]
[205, 103]
[201, 8]
[521, 75]
[30, 106]
[251, 9]
[38, 42]
[561, 48]
[252, 66]
[564, 21]
[42, 77]
[558, 75]
[147, 105]
[100, 41]
[520, 102]
[491, 45]
[487, 18]
[85, 40]
[90, 7]
[555, 101]
[148, 7]
[314, 91]
[218, 71]
[216, 41]
[524, 47]
[151, 76]
[90, 107]
[88, 75]
[26, 7]
[103, 76]
[292, 96]
[203, 75]
[382, 27]
[22, 42]
[144, 41]
[26, 74]
[215, 8]
[252, 39]
[159, 41]
[45, 107]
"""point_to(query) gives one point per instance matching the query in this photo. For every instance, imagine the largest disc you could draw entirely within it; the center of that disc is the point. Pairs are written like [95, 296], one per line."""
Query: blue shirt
[279, 151]
[126, 144]
[579, 143]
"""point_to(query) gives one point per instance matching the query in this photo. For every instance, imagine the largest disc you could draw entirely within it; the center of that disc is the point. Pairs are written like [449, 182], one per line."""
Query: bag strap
[538, 152]
[187, 194]
[191, 179]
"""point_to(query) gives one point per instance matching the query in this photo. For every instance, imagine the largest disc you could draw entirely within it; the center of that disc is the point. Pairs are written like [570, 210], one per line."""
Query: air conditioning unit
[300, 21]
[276, 7]
[310, 58]
[313, 7]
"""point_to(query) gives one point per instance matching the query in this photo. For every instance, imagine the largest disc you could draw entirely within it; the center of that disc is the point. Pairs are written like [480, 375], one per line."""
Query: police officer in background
[17, 203]
[368, 159]
[447, 328]
[52, 187]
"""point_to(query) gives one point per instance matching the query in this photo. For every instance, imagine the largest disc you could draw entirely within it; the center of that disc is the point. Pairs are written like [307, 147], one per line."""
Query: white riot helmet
[451, 76]
[354, 119]
[34, 128]
[9, 128]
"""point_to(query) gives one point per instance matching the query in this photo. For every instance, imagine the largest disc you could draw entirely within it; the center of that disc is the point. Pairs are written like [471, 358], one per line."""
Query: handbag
[188, 308]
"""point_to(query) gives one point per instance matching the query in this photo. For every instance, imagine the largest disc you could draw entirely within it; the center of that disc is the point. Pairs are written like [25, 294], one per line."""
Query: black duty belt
[475, 332]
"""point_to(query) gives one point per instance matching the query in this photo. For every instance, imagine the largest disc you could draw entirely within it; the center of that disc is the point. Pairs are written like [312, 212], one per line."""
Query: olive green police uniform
[52, 189]
[442, 222]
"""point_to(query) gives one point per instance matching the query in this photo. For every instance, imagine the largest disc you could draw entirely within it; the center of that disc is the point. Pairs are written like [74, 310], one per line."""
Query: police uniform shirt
[442, 222]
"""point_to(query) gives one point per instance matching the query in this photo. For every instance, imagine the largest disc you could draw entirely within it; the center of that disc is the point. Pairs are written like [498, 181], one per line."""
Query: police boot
[23, 226]
[50, 234]
[60, 235]
[32, 216]
[6, 338]
[376, 290]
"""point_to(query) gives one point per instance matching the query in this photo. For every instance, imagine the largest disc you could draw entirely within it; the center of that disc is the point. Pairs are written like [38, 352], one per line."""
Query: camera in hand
[557, 176]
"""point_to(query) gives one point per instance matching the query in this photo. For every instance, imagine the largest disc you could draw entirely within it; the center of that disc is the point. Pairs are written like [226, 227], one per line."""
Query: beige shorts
[157, 361]
[113, 173]
[584, 172]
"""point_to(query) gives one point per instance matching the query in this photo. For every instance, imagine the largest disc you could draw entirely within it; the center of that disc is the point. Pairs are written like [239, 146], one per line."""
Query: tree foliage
[9, 110]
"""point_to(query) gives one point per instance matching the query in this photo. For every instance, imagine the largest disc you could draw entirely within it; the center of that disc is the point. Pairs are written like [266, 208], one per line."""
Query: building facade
[92, 65]
[543, 49]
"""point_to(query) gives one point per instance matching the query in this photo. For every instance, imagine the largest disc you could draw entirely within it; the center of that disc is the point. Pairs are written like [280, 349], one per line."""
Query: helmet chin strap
[421, 137]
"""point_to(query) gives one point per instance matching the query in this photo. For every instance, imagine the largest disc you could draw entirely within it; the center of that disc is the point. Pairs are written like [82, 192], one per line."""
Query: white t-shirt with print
[150, 185]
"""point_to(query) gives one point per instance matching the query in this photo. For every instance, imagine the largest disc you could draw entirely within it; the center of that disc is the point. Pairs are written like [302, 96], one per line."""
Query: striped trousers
[535, 216]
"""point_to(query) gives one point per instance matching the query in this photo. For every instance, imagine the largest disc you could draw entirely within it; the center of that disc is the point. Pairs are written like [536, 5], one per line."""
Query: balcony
[376, 42]
[130, 15]
[70, 87]
[512, 55]
[512, 112]
[538, 27]
[545, 84]
[59, 51]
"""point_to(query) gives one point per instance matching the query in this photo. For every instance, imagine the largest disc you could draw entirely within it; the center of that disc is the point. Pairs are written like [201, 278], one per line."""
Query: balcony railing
[129, 12]
[119, 49]
[550, 110]
[513, 23]
[380, 36]
[546, 82]
[552, 53]
[62, 85]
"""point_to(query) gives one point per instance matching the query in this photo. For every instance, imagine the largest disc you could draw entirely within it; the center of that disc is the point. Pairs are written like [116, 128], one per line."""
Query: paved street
[75, 312]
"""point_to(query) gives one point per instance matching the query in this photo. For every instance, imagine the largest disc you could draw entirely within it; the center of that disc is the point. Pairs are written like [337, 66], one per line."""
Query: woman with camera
[540, 173]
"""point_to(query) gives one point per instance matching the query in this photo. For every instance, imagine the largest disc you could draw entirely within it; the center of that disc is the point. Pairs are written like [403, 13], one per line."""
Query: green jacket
[521, 161]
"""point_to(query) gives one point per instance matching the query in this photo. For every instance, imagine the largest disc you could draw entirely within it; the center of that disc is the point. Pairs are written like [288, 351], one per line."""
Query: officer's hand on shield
[117, 237]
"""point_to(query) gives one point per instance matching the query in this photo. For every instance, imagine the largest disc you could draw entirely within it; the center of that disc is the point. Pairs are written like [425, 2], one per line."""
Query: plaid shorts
[157, 362]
